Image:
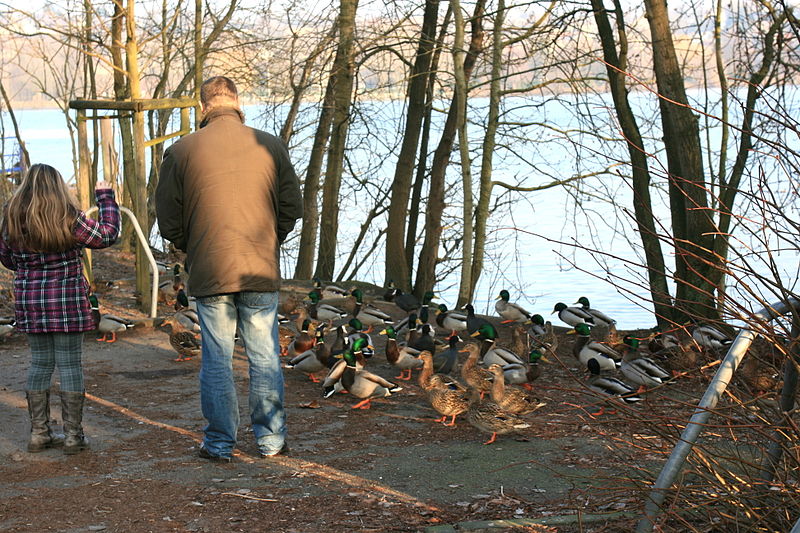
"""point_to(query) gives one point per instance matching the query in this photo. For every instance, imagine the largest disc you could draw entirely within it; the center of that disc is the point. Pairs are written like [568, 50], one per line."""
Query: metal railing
[713, 393]
[146, 245]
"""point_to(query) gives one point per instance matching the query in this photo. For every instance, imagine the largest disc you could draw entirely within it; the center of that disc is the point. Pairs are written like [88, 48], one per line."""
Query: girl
[42, 237]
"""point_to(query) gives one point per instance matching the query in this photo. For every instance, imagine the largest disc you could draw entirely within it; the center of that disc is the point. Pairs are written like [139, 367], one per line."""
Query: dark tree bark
[397, 269]
[696, 268]
[642, 204]
[426, 268]
[343, 69]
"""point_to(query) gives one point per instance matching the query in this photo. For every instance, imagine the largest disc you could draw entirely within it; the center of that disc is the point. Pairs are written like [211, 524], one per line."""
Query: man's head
[218, 91]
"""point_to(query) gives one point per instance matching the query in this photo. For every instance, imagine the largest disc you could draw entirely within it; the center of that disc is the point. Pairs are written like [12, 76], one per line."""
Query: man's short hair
[218, 91]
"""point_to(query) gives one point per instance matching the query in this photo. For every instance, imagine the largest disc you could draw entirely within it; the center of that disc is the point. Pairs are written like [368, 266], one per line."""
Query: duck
[333, 380]
[710, 338]
[572, 315]
[107, 325]
[474, 322]
[474, 376]
[501, 356]
[410, 303]
[640, 370]
[534, 372]
[184, 301]
[182, 340]
[450, 320]
[511, 399]
[329, 292]
[600, 318]
[609, 388]
[363, 384]
[388, 296]
[488, 417]
[303, 341]
[313, 360]
[446, 396]
[7, 327]
[680, 359]
[367, 313]
[340, 342]
[321, 311]
[403, 357]
[661, 340]
[188, 319]
[510, 312]
[424, 339]
[445, 361]
[290, 304]
[537, 327]
[357, 331]
[586, 350]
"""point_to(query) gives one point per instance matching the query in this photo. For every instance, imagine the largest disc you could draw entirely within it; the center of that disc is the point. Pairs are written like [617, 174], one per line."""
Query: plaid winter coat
[50, 291]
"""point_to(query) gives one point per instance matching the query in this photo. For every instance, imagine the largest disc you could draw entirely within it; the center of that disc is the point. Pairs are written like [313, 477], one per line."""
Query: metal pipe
[147, 251]
[713, 393]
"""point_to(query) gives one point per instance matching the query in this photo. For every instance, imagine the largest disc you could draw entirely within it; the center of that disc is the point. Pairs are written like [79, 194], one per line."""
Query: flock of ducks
[492, 389]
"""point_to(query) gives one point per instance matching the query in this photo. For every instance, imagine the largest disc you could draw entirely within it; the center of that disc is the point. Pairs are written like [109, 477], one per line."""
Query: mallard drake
[188, 319]
[184, 301]
[501, 356]
[447, 396]
[182, 340]
[403, 357]
[572, 315]
[511, 399]
[600, 318]
[7, 327]
[367, 313]
[474, 376]
[363, 384]
[538, 327]
[609, 388]
[313, 360]
[638, 369]
[710, 338]
[535, 357]
[488, 417]
[107, 325]
[357, 331]
[586, 350]
[321, 311]
[303, 341]
[510, 312]
[450, 320]
[474, 322]
[330, 291]
[424, 339]
[445, 360]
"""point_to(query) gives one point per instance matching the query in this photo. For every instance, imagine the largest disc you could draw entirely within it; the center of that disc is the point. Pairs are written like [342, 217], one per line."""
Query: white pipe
[147, 251]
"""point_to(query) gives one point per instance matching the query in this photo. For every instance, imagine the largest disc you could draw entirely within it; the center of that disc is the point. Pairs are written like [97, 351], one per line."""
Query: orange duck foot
[494, 438]
[364, 404]
[441, 418]
[313, 378]
[113, 337]
[452, 422]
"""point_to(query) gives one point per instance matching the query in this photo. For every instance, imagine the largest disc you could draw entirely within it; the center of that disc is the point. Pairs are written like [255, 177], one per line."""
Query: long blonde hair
[41, 213]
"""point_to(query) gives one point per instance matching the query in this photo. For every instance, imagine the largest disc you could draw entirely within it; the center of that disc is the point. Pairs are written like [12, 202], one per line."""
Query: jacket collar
[219, 112]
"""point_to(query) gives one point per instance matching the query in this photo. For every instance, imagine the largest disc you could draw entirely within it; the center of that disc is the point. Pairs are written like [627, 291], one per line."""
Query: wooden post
[107, 149]
[82, 184]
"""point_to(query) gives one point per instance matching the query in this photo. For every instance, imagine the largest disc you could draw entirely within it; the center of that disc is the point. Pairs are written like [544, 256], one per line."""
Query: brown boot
[42, 437]
[72, 413]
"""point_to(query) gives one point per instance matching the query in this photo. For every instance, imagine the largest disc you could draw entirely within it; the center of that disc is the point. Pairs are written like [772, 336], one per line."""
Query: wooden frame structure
[135, 109]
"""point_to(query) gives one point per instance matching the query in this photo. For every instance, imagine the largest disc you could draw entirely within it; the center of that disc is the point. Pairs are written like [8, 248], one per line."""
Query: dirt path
[389, 468]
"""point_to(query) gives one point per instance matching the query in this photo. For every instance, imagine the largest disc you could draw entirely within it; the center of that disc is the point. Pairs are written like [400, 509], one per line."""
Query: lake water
[538, 249]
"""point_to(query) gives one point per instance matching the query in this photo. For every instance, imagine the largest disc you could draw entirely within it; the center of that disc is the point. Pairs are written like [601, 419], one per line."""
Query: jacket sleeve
[6, 257]
[169, 201]
[290, 201]
[103, 232]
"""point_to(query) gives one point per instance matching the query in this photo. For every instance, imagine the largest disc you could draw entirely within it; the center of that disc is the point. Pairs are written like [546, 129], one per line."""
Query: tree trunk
[343, 69]
[426, 269]
[422, 161]
[696, 269]
[308, 232]
[642, 203]
[396, 268]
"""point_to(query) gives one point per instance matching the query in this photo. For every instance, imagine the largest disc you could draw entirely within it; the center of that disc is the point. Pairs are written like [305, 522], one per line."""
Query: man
[228, 196]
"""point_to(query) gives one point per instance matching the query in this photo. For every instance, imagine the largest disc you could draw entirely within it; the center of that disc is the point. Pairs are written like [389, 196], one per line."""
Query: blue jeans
[255, 315]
